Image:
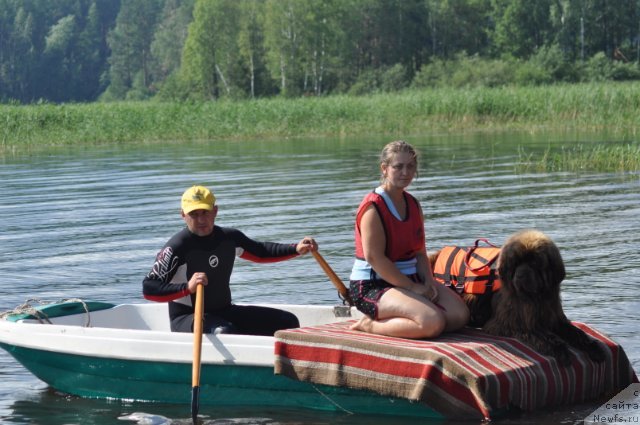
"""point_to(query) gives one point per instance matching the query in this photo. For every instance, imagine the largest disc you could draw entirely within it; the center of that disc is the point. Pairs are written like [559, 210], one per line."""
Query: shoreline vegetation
[608, 107]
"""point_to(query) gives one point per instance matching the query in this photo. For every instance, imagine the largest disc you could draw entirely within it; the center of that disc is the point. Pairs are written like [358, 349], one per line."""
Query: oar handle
[333, 277]
[197, 335]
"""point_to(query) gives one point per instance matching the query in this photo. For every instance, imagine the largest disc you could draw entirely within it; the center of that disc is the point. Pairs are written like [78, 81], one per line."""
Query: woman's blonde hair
[396, 147]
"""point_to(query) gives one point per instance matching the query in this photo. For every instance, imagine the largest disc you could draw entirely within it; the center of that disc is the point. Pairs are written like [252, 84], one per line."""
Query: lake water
[87, 223]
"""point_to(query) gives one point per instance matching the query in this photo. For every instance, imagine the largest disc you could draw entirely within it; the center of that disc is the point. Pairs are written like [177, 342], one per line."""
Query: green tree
[75, 49]
[318, 34]
[92, 52]
[170, 37]
[23, 56]
[609, 25]
[307, 46]
[385, 33]
[457, 26]
[59, 59]
[130, 43]
[282, 40]
[45, 51]
[379, 35]
[211, 61]
[60, 35]
[521, 26]
[323, 39]
[252, 50]
[7, 15]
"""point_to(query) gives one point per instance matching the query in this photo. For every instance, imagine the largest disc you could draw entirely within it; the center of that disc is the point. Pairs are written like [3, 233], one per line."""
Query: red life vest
[404, 238]
[470, 270]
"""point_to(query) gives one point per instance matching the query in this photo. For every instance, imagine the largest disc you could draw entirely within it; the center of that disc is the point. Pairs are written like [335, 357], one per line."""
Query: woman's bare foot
[365, 324]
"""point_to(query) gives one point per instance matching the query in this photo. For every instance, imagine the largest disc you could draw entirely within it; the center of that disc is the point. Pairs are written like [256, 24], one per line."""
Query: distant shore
[610, 107]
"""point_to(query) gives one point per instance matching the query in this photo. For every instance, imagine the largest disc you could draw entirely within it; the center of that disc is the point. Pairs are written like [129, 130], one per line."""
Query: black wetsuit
[186, 253]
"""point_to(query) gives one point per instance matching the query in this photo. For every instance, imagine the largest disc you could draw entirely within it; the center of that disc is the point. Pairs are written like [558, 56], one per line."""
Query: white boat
[127, 351]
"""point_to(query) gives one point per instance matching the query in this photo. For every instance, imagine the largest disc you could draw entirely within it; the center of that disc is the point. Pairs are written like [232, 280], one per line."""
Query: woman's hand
[419, 288]
[433, 291]
[426, 289]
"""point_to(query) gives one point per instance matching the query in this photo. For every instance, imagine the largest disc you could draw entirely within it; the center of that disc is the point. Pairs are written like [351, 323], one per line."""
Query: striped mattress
[464, 374]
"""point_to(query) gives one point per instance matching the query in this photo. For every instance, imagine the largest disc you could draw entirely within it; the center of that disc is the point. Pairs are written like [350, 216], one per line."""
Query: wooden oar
[333, 277]
[197, 351]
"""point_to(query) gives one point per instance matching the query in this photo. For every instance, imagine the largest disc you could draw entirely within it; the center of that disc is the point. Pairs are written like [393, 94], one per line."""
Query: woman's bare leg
[404, 314]
[456, 313]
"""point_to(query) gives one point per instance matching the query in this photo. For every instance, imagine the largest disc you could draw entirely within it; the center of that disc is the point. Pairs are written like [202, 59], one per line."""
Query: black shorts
[366, 294]
[240, 319]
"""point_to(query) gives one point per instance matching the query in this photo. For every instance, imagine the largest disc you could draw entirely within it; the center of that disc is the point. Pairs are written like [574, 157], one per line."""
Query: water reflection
[88, 224]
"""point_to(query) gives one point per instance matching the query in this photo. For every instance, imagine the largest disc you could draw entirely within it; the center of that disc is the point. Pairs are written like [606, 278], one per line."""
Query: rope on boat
[28, 308]
[331, 400]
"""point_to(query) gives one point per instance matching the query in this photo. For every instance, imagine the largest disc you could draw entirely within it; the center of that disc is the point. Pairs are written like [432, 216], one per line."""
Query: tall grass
[611, 106]
[581, 158]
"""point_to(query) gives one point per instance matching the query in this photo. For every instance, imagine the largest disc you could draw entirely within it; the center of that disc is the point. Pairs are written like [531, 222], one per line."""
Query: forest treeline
[88, 50]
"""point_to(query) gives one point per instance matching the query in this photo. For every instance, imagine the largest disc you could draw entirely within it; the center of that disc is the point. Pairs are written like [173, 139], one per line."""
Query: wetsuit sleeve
[262, 252]
[158, 285]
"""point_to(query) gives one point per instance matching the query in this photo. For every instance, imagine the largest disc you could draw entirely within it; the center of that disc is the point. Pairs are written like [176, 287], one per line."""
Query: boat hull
[127, 352]
[220, 385]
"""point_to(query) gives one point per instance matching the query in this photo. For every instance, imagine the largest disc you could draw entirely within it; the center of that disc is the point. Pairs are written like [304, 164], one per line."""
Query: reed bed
[623, 158]
[611, 106]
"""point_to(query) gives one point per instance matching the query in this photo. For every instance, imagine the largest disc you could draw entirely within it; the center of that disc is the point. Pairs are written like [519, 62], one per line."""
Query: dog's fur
[528, 306]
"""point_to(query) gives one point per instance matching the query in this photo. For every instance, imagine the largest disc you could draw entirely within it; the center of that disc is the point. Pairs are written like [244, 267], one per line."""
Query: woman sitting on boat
[391, 279]
[203, 253]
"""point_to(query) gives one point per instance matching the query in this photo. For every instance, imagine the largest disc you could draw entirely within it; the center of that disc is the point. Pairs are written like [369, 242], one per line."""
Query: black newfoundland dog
[527, 306]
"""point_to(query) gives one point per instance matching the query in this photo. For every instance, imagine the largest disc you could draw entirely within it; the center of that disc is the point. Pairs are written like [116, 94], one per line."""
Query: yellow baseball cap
[197, 198]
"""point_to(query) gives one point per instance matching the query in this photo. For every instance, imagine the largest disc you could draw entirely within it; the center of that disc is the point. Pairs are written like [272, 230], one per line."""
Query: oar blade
[195, 404]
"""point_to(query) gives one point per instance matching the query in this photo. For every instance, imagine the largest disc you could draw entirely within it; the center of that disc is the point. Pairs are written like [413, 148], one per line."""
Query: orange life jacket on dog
[470, 270]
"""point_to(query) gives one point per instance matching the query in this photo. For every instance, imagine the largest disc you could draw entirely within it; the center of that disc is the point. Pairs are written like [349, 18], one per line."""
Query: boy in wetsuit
[204, 253]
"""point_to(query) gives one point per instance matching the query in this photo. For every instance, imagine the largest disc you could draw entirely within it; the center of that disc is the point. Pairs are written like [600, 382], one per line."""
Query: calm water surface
[88, 222]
